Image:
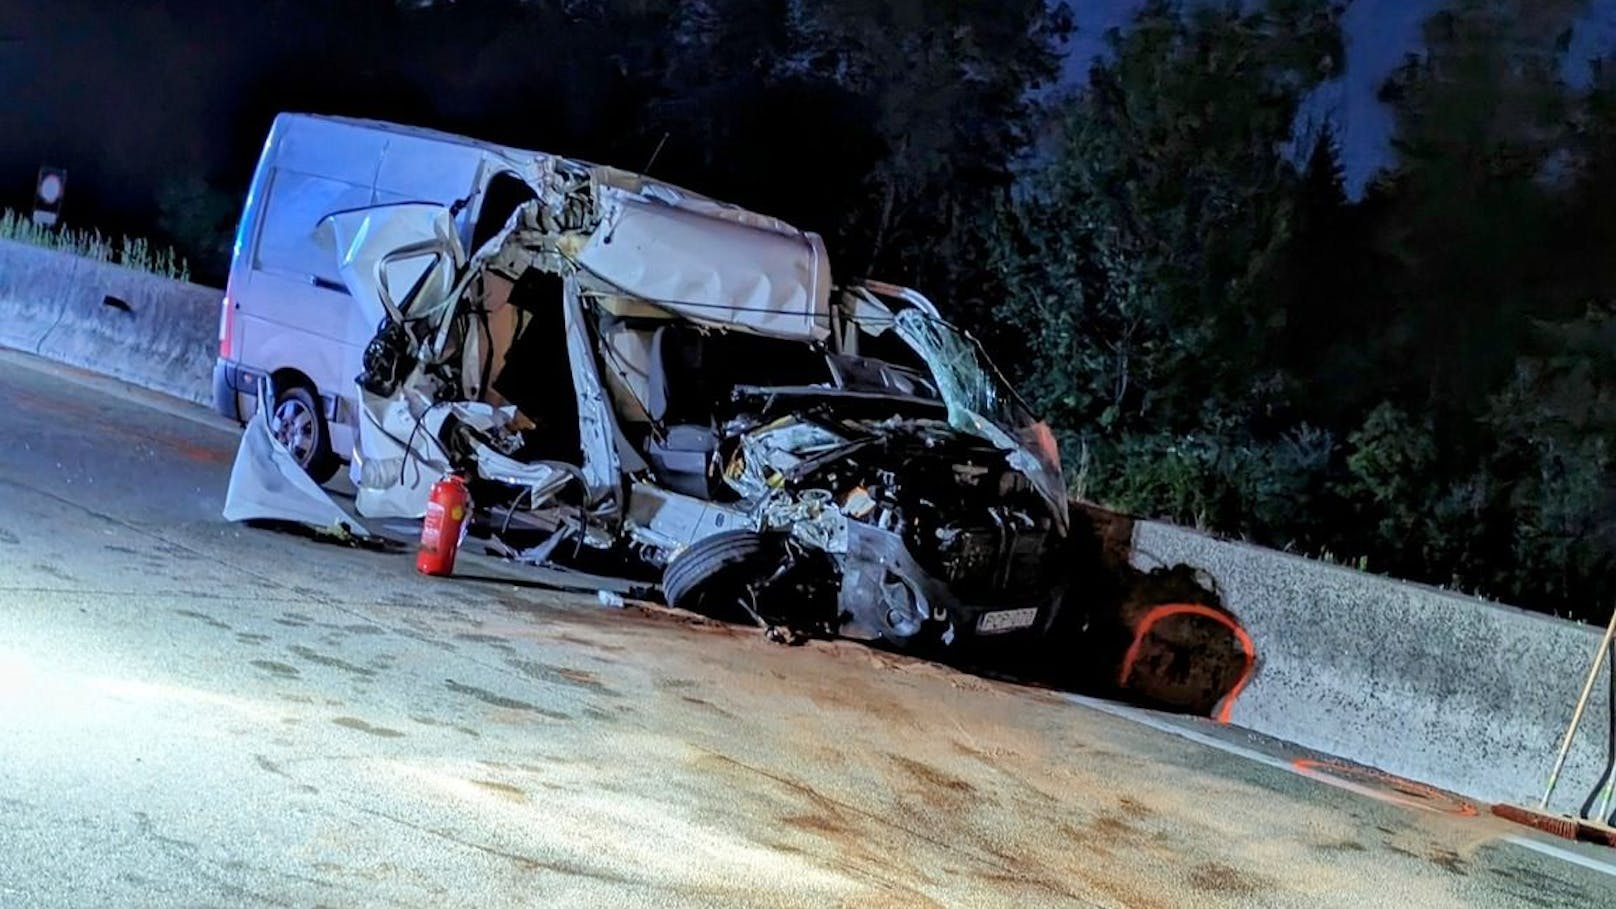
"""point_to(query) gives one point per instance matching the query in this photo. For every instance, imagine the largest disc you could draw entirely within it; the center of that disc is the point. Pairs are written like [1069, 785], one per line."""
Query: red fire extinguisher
[447, 510]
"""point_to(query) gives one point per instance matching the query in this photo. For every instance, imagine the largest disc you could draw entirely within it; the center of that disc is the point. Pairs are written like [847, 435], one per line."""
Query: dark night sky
[1379, 33]
[97, 87]
[129, 93]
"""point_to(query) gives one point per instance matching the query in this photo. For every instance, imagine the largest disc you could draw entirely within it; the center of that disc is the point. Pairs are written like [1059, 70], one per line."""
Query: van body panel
[291, 310]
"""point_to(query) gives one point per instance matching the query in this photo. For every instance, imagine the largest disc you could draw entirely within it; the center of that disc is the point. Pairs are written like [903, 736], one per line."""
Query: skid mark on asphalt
[1535, 888]
[872, 844]
[363, 629]
[60, 409]
[1216, 877]
[593, 645]
[280, 669]
[320, 659]
[263, 582]
[503, 790]
[708, 706]
[526, 863]
[269, 766]
[936, 784]
[494, 641]
[560, 675]
[204, 618]
[444, 724]
[359, 725]
[499, 700]
[50, 570]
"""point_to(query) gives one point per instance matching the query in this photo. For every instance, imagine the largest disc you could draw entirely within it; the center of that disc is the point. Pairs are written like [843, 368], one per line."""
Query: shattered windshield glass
[982, 403]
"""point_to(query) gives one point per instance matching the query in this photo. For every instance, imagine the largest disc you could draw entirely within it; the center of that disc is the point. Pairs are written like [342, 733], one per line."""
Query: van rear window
[293, 210]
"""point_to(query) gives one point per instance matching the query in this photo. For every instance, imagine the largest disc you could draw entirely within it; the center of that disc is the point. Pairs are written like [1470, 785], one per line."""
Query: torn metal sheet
[398, 454]
[720, 272]
[670, 521]
[811, 517]
[767, 454]
[596, 420]
[390, 255]
[267, 484]
[539, 481]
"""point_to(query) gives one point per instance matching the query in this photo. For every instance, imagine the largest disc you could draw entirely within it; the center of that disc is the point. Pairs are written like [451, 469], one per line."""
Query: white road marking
[1177, 728]
[1145, 718]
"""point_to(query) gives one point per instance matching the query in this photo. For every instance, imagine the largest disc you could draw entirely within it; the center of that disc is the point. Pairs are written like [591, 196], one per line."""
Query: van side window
[505, 194]
[293, 210]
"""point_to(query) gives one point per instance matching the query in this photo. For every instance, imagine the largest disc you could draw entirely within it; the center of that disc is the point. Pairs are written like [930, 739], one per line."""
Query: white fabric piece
[266, 483]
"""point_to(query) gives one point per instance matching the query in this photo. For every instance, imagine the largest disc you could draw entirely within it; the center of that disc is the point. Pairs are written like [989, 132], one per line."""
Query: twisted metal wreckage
[670, 382]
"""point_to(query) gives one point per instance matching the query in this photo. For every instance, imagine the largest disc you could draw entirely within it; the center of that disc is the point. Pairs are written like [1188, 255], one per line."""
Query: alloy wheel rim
[294, 426]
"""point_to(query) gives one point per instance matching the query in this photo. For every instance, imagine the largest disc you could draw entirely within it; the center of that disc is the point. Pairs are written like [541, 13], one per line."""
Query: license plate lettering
[1007, 620]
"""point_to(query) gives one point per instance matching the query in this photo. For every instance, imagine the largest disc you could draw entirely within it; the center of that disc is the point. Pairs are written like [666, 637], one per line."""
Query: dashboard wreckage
[632, 374]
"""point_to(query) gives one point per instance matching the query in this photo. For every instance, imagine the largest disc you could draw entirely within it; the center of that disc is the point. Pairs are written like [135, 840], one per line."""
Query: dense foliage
[1419, 381]
[1422, 380]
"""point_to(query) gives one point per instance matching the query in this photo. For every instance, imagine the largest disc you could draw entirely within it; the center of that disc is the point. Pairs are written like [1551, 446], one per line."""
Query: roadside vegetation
[1417, 375]
[129, 252]
[1421, 380]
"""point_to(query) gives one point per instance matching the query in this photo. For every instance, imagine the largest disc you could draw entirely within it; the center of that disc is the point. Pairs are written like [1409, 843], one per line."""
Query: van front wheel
[297, 422]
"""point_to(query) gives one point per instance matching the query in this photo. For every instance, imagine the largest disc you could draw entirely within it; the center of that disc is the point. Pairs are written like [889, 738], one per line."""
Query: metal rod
[1610, 780]
[1576, 716]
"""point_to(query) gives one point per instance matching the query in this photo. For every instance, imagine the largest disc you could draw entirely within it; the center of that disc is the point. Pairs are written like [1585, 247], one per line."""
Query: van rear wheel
[297, 422]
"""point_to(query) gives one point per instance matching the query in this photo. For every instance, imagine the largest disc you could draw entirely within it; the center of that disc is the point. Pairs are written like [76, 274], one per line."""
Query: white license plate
[1008, 620]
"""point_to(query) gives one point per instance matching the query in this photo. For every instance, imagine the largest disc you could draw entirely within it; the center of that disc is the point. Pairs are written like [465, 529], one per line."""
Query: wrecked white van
[628, 371]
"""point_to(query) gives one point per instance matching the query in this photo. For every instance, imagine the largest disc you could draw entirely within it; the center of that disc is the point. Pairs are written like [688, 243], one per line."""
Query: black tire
[721, 557]
[296, 419]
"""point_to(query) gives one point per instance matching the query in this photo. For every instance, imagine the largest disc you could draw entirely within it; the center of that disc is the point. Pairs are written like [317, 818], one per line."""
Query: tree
[1326, 290]
[890, 127]
[1145, 257]
[1480, 116]
[1555, 423]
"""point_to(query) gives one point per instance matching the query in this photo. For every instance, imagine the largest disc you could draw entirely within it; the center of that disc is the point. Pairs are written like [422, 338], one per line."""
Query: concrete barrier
[141, 328]
[1425, 684]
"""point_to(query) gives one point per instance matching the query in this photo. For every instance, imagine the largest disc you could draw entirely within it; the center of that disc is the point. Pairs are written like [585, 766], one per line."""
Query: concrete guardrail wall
[66, 308]
[1448, 690]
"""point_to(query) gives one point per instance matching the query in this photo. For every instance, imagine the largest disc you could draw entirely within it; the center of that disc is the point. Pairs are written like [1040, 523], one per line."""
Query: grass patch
[130, 252]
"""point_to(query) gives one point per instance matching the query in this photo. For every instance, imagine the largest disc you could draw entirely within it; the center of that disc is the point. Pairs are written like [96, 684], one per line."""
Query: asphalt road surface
[194, 713]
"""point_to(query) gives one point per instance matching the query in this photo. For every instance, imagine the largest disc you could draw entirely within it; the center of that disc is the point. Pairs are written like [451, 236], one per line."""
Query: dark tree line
[1422, 380]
